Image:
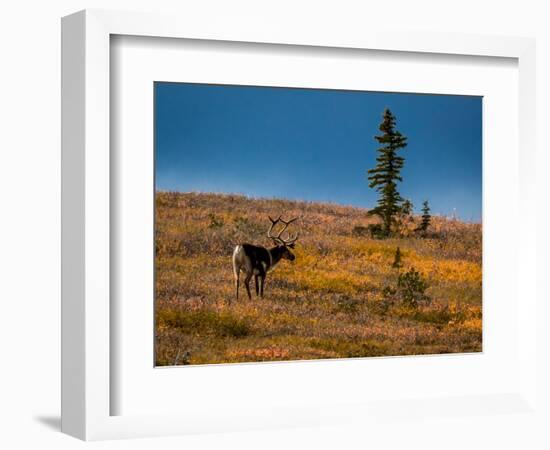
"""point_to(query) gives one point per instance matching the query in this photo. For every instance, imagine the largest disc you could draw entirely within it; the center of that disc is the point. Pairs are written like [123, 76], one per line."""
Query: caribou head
[283, 244]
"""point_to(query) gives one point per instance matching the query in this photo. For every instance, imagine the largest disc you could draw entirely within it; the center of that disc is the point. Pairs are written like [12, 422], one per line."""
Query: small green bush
[410, 290]
[215, 222]
[360, 231]
[377, 231]
[412, 287]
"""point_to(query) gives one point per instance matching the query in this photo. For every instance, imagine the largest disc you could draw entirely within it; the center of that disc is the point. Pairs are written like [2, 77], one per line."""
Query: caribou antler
[279, 239]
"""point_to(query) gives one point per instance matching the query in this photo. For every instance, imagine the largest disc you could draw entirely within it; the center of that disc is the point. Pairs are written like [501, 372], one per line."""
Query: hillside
[329, 303]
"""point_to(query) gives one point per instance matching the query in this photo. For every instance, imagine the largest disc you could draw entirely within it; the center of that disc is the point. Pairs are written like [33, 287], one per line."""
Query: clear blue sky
[315, 144]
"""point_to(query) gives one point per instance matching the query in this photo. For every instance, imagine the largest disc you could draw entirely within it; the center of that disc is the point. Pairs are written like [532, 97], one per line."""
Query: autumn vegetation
[347, 294]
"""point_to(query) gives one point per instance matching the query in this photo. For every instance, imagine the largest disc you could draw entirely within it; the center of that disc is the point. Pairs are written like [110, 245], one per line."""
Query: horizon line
[451, 216]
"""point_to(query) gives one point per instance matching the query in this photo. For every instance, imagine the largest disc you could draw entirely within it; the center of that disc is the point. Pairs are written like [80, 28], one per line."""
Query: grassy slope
[326, 304]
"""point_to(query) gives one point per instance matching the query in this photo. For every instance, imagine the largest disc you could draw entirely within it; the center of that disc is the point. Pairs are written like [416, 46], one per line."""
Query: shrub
[374, 230]
[410, 290]
[377, 231]
[214, 221]
[360, 231]
[411, 287]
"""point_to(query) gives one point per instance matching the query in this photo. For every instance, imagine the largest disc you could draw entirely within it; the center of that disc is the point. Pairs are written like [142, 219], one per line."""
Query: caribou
[255, 260]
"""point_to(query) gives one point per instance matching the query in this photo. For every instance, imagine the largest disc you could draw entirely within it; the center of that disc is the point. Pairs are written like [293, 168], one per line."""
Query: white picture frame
[87, 386]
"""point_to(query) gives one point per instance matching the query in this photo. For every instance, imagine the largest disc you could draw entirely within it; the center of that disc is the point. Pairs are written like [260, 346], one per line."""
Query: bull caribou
[255, 260]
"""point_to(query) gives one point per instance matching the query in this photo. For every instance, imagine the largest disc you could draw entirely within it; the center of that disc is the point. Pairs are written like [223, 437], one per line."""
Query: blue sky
[316, 144]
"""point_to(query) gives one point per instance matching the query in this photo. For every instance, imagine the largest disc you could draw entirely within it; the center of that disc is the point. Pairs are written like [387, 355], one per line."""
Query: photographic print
[299, 224]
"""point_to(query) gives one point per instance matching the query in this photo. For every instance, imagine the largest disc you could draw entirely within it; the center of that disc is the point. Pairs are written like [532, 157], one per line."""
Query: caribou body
[256, 261]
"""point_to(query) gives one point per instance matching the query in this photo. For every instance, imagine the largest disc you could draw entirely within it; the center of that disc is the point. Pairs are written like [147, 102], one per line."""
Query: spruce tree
[407, 208]
[426, 217]
[386, 174]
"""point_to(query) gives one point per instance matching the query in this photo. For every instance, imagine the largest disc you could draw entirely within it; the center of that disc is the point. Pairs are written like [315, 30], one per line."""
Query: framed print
[257, 221]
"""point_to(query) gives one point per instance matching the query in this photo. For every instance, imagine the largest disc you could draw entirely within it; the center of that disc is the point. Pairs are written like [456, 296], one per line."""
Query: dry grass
[326, 304]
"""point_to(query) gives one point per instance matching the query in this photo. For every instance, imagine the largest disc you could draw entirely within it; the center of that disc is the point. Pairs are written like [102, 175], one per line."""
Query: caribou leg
[237, 280]
[257, 285]
[247, 285]
[262, 284]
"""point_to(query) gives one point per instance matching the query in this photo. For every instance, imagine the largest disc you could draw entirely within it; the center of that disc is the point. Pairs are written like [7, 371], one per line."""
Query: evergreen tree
[407, 208]
[385, 175]
[426, 217]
